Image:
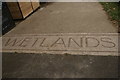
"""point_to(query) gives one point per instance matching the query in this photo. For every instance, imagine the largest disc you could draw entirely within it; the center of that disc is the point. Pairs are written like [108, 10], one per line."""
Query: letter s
[108, 41]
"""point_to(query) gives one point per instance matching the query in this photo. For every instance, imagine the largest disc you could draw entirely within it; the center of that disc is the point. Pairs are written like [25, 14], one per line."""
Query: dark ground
[17, 65]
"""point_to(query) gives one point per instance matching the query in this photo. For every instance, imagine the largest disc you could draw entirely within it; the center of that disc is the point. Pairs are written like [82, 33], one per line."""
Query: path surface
[58, 66]
[67, 18]
[74, 43]
[63, 18]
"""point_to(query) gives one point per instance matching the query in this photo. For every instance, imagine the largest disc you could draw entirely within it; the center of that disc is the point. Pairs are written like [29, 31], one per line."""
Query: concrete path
[67, 18]
[62, 18]
[74, 43]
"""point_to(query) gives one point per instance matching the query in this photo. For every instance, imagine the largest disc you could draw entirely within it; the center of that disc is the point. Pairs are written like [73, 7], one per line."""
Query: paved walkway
[58, 66]
[71, 19]
[67, 18]
[74, 43]
[62, 18]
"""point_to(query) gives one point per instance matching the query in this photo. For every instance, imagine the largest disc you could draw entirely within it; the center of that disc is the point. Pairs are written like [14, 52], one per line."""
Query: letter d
[92, 42]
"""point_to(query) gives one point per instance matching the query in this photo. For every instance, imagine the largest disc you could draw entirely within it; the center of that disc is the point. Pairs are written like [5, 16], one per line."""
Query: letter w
[12, 42]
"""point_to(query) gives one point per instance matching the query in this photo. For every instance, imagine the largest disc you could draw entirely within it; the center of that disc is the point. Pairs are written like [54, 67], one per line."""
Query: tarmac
[57, 18]
[58, 66]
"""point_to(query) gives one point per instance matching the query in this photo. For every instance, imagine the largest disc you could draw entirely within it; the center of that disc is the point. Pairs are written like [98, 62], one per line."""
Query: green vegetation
[112, 8]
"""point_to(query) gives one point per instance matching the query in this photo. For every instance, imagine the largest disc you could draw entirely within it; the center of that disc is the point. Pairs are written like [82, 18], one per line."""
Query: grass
[112, 8]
